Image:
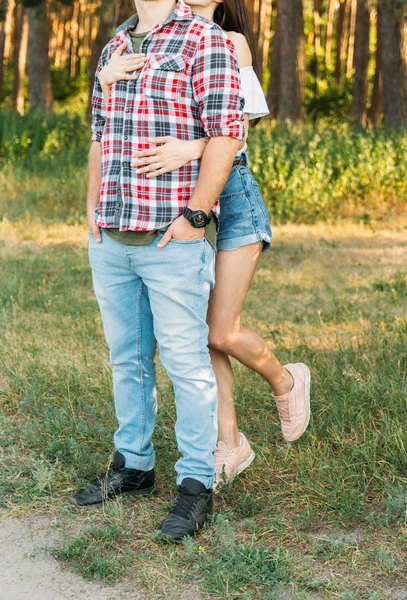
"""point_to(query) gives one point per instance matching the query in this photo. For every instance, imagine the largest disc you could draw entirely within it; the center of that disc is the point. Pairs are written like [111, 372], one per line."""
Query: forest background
[339, 58]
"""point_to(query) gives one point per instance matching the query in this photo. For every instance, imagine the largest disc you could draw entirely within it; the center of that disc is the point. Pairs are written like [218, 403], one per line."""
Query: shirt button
[125, 137]
[127, 110]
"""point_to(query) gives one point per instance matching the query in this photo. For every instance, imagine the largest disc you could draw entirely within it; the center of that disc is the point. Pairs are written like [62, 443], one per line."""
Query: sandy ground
[30, 573]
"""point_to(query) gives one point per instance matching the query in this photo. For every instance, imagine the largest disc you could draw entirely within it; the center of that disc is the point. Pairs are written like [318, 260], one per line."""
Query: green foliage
[231, 566]
[306, 173]
[397, 286]
[64, 86]
[37, 138]
[88, 552]
[333, 104]
[319, 172]
[396, 503]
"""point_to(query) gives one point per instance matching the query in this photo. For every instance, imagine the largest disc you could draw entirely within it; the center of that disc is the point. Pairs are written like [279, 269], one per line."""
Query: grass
[325, 517]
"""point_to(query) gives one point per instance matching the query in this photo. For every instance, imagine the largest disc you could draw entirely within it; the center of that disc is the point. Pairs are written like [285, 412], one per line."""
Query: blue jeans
[146, 294]
[243, 214]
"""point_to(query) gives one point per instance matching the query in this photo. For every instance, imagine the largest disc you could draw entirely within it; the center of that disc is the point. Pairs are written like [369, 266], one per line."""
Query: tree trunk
[53, 37]
[68, 41]
[351, 41]
[329, 30]
[340, 40]
[260, 17]
[8, 29]
[265, 31]
[73, 54]
[377, 93]
[359, 96]
[19, 57]
[292, 61]
[3, 16]
[394, 104]
[59, 42]
[317, 44]
[274, 89]
[404, 55]
[39, 76]
[105, 32]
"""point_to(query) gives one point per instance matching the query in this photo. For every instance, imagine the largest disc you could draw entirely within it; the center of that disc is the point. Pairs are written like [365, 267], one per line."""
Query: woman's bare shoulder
[242, 48]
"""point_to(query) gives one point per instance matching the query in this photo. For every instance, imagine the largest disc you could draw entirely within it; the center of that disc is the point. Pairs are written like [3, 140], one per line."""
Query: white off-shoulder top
[254, 100]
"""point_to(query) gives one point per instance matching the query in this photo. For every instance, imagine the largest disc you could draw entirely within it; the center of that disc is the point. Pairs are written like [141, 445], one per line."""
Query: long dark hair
[232, 15]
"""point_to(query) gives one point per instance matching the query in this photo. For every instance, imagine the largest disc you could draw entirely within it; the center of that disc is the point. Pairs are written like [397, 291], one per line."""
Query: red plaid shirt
[189, 89]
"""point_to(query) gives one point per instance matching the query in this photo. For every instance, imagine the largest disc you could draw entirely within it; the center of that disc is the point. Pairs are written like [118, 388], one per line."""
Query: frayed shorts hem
[239, 242]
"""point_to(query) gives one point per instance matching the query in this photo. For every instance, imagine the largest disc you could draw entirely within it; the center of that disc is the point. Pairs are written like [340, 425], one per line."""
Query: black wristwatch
[197, 218]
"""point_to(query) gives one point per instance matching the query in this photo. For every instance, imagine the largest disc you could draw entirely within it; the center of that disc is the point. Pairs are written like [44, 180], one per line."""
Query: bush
[306, 172]
[63, 85]
[316, 172]
[39, 138]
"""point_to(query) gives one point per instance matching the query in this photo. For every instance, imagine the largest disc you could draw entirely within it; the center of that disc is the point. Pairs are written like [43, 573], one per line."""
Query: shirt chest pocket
[165, 77]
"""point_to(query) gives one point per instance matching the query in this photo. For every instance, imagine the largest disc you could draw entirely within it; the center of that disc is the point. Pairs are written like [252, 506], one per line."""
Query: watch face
[199, 220]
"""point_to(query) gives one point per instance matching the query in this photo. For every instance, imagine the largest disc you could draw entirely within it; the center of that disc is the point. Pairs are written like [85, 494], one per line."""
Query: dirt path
[30, 573]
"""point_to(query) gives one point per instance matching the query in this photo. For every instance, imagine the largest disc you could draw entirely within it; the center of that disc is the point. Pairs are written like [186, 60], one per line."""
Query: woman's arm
[169, 154]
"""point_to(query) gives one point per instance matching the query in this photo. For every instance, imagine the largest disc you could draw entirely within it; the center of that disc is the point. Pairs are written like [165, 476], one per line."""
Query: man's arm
[94, 179]
[95, 155]
[215, 169]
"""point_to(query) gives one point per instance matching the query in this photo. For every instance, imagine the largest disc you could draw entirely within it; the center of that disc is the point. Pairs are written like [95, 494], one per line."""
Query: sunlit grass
[331, 295]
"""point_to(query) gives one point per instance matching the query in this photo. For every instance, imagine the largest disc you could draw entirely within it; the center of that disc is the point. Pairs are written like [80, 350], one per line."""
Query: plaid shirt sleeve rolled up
[216, 84]
[98, 105]
[189, 88]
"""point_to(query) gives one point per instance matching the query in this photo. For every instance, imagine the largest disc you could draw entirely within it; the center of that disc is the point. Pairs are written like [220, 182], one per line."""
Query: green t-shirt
[142, 238]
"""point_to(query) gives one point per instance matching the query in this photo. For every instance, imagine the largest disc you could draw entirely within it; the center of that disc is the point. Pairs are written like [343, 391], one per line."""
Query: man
[152, 263]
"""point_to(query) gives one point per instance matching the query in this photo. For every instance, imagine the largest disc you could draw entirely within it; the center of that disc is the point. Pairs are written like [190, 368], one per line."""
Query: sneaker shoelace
[221, 457]
[106, 477]
[283, 407]
[184, 505]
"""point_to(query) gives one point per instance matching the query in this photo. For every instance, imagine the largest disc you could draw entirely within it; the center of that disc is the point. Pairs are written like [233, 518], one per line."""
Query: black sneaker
[117, 480]
[189, 513]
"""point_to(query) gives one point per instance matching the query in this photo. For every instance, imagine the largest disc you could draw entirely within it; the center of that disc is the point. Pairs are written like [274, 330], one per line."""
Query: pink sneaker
[231, 462]
[294, 407]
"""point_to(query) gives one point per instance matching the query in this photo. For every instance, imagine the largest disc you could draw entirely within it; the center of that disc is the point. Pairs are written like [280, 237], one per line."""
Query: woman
[244, 232]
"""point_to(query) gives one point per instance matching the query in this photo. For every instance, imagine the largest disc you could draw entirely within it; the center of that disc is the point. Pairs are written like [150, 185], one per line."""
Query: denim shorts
[243, 215]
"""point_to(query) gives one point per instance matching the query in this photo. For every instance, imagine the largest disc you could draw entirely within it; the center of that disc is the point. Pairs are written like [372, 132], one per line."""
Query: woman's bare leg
[234, 274]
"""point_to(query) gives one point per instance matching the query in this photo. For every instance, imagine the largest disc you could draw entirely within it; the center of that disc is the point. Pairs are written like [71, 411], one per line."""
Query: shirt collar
[180, 12]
